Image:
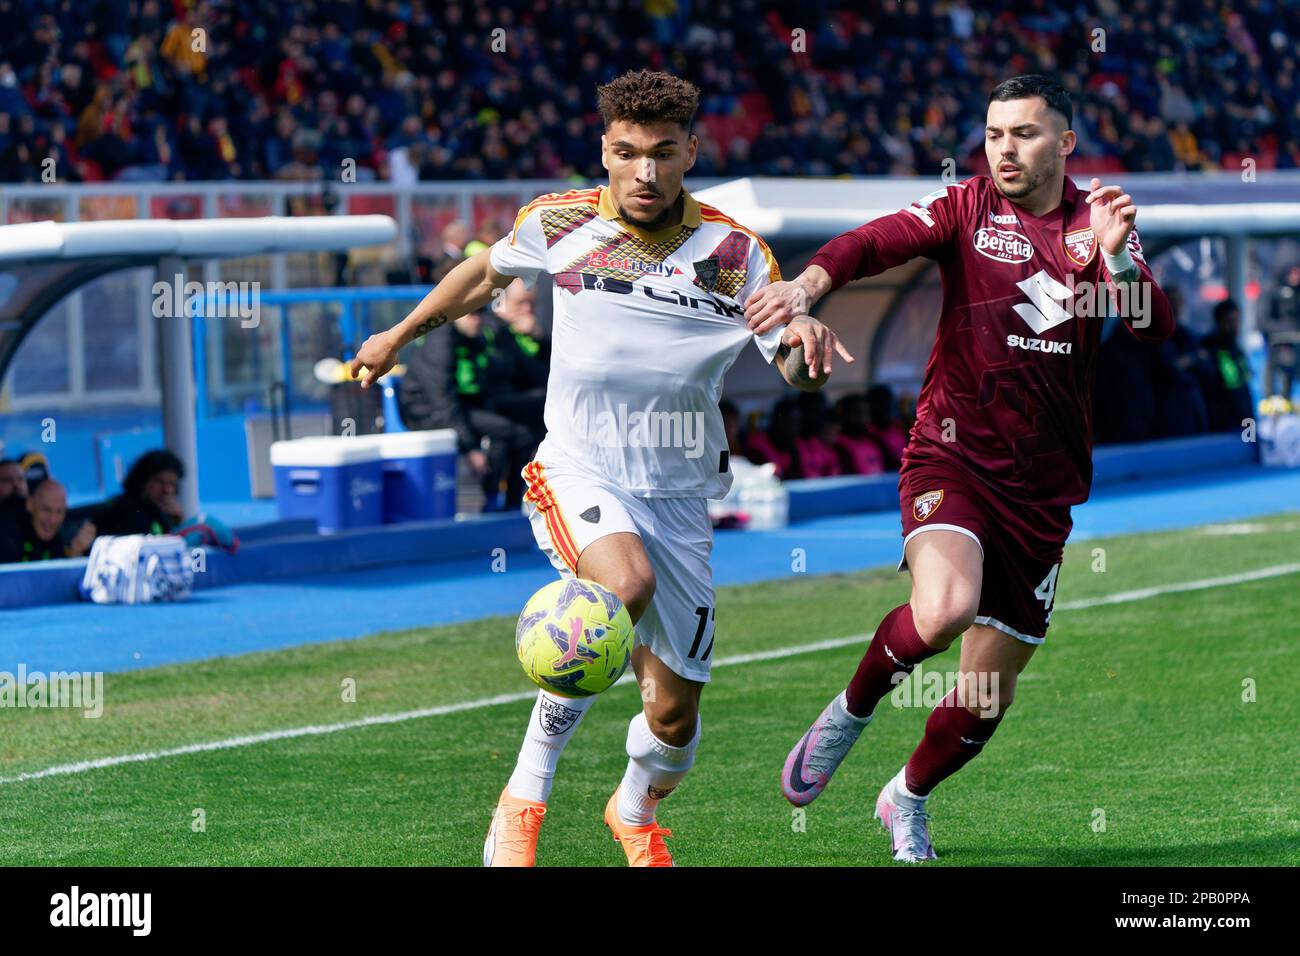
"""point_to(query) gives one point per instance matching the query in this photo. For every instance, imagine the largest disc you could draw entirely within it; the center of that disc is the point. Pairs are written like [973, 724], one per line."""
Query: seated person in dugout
[37, 537]
[148, 503]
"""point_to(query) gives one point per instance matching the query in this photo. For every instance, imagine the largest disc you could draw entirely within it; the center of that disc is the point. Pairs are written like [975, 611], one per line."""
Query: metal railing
[353, 323]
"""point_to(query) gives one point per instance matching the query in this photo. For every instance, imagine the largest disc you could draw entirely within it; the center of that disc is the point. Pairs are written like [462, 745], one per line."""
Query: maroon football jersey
[1008, 387]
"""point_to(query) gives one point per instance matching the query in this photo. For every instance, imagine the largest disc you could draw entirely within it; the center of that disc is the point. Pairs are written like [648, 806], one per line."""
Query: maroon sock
[895, 649]
[953, 737]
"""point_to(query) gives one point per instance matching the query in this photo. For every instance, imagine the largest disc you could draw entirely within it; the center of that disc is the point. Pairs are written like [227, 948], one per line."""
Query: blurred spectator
[148, 503]
[860, 453]
[13, 481]
[1180, 404]
[1124, 397]
[464, 378]
[731, 426]
[525, 399]
[13, 497]
[778, 443]
[35, 469]
[453, 238]
[37, 537]
[816, 441]
[1284, 323]
[488, 233]
[884, 425]
[1227, 375]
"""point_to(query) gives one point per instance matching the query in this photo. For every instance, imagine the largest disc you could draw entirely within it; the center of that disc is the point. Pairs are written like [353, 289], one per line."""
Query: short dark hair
[643, 96]
[148, 465]
[1036, 84]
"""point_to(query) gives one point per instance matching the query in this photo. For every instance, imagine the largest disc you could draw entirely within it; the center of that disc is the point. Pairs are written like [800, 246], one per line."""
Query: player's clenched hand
[377, 356]
[1112, 216]
[775, 304]
[819, 344]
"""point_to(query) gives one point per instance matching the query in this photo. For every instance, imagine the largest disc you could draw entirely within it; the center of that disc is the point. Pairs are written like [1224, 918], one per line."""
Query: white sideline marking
[1123, 597]
[1247, 527]
[315, 730]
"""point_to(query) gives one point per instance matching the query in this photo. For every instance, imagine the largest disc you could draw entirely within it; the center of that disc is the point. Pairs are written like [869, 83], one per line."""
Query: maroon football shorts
[1022, 544]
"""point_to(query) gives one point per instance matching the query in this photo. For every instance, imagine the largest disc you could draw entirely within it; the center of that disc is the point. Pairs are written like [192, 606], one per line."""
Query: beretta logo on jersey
[1080, 246]
[1002, 245]
[927, 504]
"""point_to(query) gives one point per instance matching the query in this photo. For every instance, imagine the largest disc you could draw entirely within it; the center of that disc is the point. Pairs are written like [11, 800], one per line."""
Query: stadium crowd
[236, 89]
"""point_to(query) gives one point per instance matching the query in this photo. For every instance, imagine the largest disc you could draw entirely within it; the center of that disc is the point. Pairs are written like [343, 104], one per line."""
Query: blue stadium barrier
[1116, 463]
[820, 497]
[46, 582]
[286, 528]
[301, 554]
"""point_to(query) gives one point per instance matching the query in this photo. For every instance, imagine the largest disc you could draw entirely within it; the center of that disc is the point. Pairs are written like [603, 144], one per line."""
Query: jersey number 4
[1046, 592]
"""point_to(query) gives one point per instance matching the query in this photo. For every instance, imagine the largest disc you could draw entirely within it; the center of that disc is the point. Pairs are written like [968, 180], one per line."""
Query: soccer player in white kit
[649, 293]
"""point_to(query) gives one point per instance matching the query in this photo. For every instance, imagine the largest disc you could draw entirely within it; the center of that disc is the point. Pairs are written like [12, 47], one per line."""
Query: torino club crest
[927, 504]
[1080, 245]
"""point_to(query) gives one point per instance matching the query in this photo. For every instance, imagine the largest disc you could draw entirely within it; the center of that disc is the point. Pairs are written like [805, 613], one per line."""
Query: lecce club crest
[1080, 246]
[927, 504]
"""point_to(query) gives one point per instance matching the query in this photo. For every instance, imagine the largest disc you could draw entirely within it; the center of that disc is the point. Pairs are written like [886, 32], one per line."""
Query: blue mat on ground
[335, 606]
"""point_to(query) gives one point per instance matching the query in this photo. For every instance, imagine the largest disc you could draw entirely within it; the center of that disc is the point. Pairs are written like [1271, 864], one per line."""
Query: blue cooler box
[336, 480]
[419, 474]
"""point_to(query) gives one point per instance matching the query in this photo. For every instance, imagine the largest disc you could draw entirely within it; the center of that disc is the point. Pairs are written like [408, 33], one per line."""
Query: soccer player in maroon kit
[1002, 443]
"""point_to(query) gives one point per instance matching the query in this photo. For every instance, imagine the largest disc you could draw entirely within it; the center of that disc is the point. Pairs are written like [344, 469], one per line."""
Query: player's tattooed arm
[429, 324]
[804, 355]
[795, 370]
[464, 289]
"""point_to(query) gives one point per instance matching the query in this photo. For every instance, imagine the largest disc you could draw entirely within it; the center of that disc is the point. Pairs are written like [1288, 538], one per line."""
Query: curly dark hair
[148, 465]
[643, 96]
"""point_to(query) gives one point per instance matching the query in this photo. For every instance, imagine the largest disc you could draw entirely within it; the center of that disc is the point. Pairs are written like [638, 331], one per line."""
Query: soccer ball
[574, 638]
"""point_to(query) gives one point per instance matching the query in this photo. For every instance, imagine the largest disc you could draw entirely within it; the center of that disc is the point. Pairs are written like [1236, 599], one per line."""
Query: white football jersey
[646, 324]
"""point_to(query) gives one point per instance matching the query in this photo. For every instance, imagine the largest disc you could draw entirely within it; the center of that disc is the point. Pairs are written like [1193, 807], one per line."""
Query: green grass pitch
[1135, 713]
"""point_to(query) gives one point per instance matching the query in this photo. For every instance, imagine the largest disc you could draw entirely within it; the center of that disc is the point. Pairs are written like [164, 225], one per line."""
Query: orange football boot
[643, 845]
[512, 837]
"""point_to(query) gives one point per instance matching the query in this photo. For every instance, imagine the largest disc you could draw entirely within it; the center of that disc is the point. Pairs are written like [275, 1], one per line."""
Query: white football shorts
[569, 509]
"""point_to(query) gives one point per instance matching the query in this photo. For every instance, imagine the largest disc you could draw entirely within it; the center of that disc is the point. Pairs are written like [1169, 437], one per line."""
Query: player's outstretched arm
[779, 303]
[466, 288]
[922, 229]
[804, 356]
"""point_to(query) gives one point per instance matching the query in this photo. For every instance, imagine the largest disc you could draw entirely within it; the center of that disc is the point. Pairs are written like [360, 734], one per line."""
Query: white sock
[551, 724]
[654, 769]
[844, 717]
[900, 792]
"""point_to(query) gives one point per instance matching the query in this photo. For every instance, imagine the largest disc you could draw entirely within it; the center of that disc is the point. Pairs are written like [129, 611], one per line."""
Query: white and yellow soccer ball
[574, 638]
